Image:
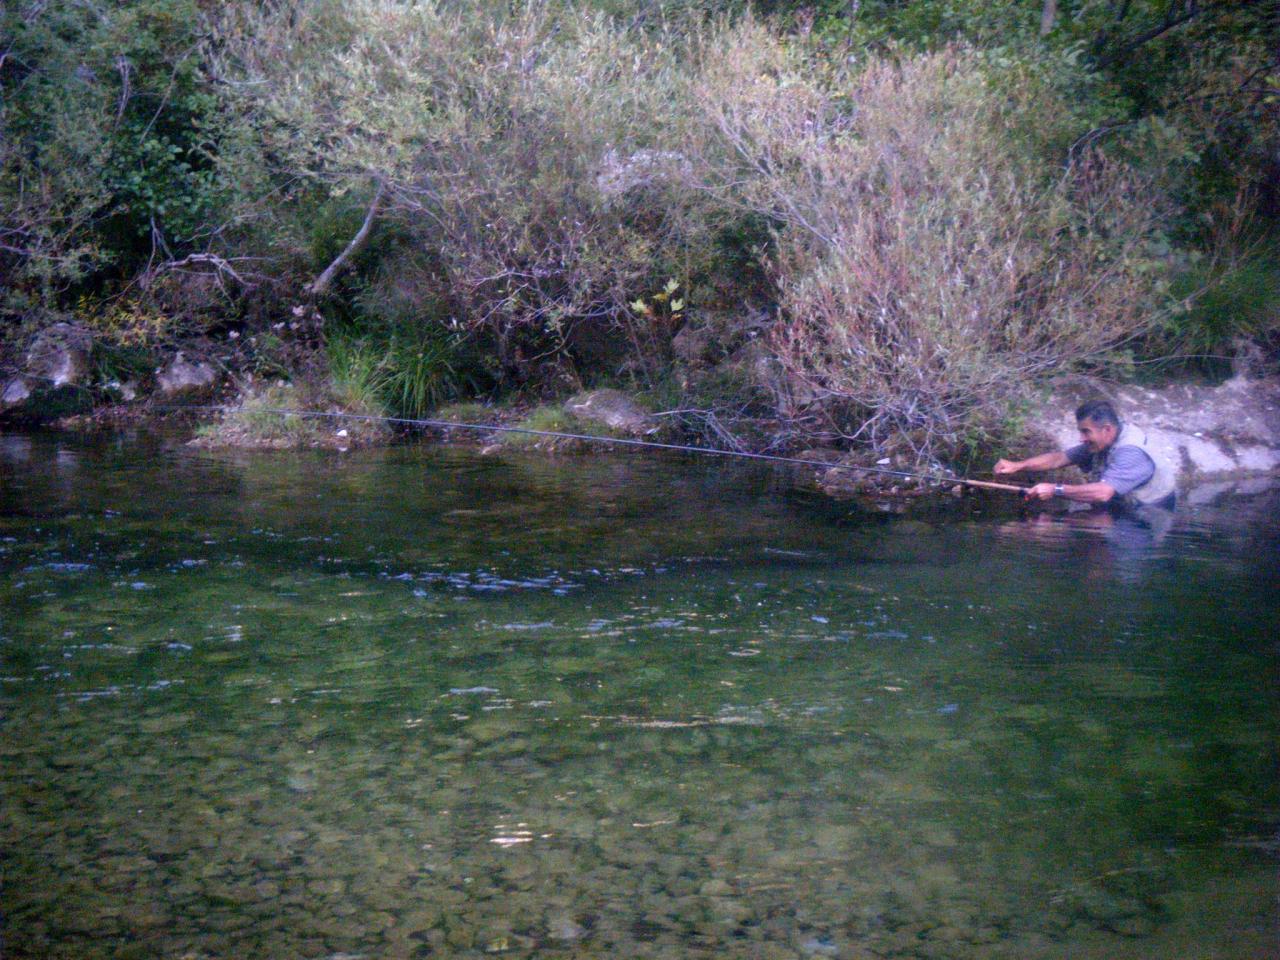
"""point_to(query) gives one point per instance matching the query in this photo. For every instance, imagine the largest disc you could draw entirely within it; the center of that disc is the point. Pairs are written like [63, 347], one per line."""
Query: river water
[420, 702]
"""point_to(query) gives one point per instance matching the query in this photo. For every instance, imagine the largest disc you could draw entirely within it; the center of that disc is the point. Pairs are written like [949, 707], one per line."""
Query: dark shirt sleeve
[1128, 468]
[1079, 455]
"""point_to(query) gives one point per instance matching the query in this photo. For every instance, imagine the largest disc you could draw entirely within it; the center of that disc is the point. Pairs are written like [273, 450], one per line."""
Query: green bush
[357, 375]
[287, 415]
[472, 413]
[108, 148]
[1226, 309]
[929, 268]
[530, 154]
[552, 419]
[885, 219]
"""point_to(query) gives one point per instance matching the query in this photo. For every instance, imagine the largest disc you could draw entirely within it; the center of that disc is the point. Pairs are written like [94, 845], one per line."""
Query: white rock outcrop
[15, 392]
[1205, 432]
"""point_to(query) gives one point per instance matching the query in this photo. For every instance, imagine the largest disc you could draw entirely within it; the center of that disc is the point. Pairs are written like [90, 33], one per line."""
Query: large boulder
[613, 408]
[14, 394]
[59, 355]
[181, 377]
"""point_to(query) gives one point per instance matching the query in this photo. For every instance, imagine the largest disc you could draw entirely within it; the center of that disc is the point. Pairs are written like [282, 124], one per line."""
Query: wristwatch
[1057, 490]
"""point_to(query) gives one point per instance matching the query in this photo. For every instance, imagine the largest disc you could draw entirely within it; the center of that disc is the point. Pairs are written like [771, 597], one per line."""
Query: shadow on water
[421, 702]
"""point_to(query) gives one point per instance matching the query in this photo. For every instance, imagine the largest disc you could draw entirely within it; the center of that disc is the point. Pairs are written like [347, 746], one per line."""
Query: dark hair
[1100, 412]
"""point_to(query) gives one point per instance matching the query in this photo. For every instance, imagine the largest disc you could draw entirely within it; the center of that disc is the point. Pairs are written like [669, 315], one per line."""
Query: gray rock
[565, 929]
[16, 391]
[59, 354]
[126, 391]
[183, 377]
[715, 888]
[612, 408]
[819, 947]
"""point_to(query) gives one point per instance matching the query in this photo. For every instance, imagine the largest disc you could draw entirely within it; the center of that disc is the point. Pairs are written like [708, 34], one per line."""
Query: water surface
[420, 702]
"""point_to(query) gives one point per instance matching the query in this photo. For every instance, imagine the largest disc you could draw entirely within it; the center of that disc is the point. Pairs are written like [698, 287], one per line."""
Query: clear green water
[424, 703]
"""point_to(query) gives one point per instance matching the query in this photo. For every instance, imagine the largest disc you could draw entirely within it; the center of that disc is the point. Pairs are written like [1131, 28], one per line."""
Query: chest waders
[1162, 482]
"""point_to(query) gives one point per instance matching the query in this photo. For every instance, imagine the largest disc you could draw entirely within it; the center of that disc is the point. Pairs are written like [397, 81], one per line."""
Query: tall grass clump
[928, 267]
[406, 375]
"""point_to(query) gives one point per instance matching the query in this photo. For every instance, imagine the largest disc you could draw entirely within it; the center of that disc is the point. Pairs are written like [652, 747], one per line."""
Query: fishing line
[620, 441]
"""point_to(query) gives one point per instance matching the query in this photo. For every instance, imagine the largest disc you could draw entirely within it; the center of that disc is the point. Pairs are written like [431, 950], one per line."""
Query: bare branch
[321, 284]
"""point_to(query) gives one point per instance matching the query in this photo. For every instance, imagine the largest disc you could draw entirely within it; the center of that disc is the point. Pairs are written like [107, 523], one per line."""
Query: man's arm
[1046, 461]
[1079, 492]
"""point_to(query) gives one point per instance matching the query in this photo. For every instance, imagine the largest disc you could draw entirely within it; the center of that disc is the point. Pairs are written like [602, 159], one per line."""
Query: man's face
[1096, 436]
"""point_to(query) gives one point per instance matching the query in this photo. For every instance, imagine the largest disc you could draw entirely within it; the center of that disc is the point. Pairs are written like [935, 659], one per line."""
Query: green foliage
[122, 362]
[106, 152]
[470, 413]
[269, 359]
[928, 267]
[404, 373]
[527, 152]
[1201, 74]
[266, 418]
[1221, 307]
[422, 374]
[259, 419]
[884, 216]
[357, 375]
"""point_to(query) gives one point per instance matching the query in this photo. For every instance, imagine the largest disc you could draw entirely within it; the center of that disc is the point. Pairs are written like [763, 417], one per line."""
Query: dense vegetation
[872, 222]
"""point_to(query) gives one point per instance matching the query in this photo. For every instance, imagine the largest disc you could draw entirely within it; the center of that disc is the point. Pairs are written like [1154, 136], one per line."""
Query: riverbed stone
[1138, 925]
[565, 929]
[143, 916]
[460, 936]
[327, 887]
[715, 888]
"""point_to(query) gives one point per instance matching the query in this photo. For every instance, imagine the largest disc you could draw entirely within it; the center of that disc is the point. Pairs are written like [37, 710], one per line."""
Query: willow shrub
[523, 155]
[546, 170]
[929, 267]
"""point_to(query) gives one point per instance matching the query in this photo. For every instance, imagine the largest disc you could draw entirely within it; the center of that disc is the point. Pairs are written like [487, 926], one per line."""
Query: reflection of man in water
[1120, 468]
[1113, 546]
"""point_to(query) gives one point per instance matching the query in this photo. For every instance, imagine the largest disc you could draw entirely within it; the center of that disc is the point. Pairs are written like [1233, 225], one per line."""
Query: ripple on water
[58, 566]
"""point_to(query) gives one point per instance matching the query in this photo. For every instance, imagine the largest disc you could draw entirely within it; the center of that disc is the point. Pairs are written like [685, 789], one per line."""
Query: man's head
[1098, 424]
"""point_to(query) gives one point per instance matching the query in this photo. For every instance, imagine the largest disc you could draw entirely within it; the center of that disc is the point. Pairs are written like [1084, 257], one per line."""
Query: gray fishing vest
[1162, 482]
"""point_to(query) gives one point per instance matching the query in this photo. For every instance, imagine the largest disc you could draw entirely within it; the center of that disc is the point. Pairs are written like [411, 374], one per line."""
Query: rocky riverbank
[1210, 433]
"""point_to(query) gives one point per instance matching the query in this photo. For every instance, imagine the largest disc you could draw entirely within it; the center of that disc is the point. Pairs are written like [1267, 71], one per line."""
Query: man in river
[1120, 467]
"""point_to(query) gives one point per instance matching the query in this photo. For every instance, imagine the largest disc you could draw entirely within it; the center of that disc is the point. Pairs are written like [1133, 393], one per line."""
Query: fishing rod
[620, 441]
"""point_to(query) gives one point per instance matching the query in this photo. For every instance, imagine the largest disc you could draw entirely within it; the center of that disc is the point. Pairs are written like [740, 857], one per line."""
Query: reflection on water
[1122, 545]
[421, 702]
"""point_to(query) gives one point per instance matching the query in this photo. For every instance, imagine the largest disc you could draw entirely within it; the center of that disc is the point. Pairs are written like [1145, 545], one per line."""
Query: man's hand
[1005, 467]
[1041, 491]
